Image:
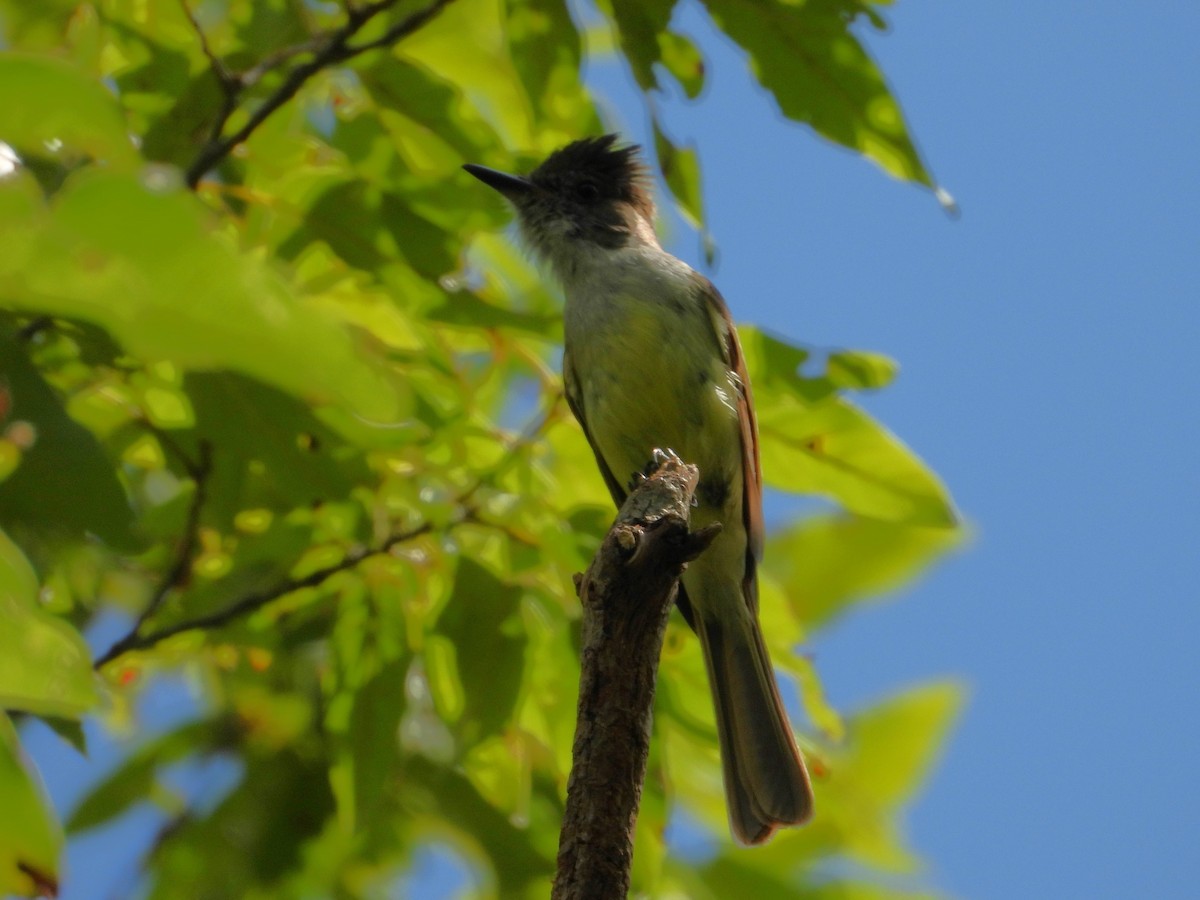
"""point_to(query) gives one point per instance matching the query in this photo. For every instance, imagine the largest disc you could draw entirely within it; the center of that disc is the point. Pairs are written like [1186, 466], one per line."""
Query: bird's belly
[655, 380]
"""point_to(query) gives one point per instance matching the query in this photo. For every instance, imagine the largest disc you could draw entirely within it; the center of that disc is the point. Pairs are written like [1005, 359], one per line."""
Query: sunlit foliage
[290, 407]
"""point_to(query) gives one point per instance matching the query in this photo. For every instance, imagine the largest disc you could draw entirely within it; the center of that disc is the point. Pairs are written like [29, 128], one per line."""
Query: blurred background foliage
[279, 394]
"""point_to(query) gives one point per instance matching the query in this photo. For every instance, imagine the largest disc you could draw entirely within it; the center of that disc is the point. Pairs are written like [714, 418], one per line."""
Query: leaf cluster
[302, 428]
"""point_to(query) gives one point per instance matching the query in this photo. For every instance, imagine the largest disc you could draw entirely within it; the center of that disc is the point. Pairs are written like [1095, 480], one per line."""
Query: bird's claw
[658, 459]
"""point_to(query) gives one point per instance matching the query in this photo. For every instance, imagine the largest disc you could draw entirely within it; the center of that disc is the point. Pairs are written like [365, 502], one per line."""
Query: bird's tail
[766, 784]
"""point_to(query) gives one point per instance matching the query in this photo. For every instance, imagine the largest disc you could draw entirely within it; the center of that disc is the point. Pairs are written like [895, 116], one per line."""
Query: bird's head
[590, 196]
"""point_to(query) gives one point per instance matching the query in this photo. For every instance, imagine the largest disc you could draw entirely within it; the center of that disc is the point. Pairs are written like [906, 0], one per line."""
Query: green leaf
[374, 739]
[468, 310]
[270, 26]
[808, 58]
[52, 109]
[416, 127]
[889, 750]
[172, 137]
[255, 838]
[36, 26]
[683, 60]
[546, 53]
[482, 620]
[484, 73]
[638, 26]
[681, 169]
[274, 452]
[31, 839]
[134, 780]
[45, 667]
[514, 852]
[860, 369]
[827, 563]
[66, 486]
[813, 441]
[835, 449]
[69, 730]
[167, 286]
[736, 876]
[893, 746]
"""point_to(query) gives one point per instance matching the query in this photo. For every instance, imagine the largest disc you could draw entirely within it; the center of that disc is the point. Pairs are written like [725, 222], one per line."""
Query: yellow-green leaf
[827, 563]
[808, 58]
[683, 60]
[889, 750]
[893, 745]
[681, 169]
[31, 838]
[466, 45]
[44, 663]
[835, 449]
[51, 109]
[813, 441]
[66, 487]
[860, 369]
[166, 286]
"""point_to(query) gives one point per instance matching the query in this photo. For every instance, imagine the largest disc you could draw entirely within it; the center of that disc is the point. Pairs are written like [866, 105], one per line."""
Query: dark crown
[617, 172]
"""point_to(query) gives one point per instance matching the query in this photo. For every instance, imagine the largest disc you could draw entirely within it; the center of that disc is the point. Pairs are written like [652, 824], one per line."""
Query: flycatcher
[653, 361]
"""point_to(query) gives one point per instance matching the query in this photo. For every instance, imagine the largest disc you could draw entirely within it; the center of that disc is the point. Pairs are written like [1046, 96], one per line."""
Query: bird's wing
[575, 401]
[731, 348]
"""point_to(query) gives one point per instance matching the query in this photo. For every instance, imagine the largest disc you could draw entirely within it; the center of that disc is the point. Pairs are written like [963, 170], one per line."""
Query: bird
[652, 362]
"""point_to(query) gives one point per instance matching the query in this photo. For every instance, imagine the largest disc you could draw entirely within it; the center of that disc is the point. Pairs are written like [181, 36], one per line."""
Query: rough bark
[626, 595]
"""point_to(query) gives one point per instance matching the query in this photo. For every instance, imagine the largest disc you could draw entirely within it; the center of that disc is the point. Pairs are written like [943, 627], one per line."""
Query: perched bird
[652, 361]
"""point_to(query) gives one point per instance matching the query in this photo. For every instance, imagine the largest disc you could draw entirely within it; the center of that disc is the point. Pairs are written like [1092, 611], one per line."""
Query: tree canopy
[278, 392]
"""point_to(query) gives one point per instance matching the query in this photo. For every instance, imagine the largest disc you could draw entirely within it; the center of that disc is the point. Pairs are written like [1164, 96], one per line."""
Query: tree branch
[176, 574]
[626, 595]
[231, 85]
[467, 513]
[181, 560]
[331, 50]
[401, 29]
[252, 602]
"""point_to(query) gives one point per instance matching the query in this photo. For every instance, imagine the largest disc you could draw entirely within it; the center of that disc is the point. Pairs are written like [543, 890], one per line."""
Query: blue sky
[1047, 342]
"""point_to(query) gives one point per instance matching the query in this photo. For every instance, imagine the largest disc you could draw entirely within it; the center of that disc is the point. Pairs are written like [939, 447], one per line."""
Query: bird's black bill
[511, 186]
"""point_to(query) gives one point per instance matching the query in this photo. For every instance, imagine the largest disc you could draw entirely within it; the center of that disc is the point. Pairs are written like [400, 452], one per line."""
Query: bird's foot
[658, 459]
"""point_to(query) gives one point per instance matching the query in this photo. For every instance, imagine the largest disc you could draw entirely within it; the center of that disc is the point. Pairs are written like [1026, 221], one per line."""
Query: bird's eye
[587, 192]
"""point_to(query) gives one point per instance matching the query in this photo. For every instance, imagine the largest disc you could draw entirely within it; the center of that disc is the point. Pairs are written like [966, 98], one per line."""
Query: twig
[333, 49]
[182, 558]
[231, 85]
[271, 61]
[33, 327]
[401, 29]
[626, 595]
[176, 574]
[467, 512]
[223, 74]
[253, 602]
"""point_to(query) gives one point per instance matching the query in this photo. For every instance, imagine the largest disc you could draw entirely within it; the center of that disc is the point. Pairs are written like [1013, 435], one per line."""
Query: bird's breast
[651, 375]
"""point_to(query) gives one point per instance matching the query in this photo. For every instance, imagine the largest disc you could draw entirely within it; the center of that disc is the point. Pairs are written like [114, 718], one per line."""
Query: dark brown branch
[223, 74]
[401, 29]
[177, 573]
[272, 61]
[467, 513]
[253, 602]
[626, 595]
[231, 85]
[181, 560]
[333, 49]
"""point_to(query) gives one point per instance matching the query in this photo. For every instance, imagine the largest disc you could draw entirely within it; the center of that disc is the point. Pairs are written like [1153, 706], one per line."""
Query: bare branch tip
[699, 541]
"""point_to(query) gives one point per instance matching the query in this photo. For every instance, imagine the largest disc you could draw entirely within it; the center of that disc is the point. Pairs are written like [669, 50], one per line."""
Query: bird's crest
[615, 171]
